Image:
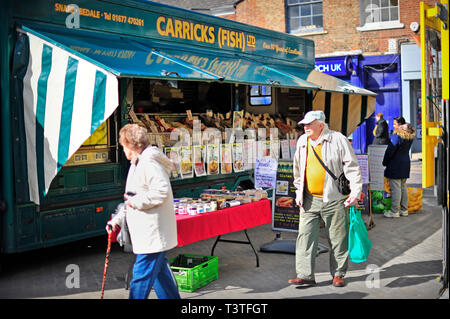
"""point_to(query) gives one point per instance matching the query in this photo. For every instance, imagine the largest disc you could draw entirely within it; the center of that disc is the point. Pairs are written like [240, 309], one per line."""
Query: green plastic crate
[190, 279]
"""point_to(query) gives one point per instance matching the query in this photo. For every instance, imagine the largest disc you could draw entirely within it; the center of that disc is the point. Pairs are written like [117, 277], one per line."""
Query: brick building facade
[342, 28]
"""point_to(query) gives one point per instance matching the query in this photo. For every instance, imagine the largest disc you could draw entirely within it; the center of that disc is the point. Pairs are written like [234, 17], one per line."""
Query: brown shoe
[300, 281]
[338, 281]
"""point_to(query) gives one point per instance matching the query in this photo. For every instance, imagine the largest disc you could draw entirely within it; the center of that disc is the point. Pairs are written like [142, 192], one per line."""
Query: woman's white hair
[134, 137]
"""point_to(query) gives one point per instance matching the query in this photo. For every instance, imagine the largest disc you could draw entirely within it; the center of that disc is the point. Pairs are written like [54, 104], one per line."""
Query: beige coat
[338, 156]
[151, 221]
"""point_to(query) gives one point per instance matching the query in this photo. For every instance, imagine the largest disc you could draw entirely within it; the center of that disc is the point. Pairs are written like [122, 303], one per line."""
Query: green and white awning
[65, 99]
[68, 82]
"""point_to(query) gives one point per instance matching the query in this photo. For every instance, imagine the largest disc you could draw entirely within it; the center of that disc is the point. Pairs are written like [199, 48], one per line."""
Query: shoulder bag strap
[326, 168]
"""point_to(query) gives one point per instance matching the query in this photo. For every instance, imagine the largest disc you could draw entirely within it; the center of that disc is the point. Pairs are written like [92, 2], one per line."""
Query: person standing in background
[381, 131]
[398, 165]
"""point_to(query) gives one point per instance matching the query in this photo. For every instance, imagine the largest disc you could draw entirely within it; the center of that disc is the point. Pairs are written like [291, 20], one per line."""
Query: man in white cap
[318, 197]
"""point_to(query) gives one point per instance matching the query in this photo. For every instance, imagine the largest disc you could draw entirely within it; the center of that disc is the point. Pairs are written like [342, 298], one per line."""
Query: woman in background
[398, 165]
[381, 131]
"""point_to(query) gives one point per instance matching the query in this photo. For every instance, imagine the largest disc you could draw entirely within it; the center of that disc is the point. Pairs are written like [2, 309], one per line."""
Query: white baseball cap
[312, 116]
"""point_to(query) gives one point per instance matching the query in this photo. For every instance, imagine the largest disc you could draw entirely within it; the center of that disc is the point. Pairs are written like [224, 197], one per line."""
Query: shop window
[304, 16]
[260, 95]
[379, 14]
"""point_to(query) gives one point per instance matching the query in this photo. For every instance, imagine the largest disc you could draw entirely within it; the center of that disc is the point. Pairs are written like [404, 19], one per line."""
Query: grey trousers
[399, 194]
[336, 219]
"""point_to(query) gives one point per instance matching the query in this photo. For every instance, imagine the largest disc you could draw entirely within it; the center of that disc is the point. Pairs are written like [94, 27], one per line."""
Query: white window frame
[303, 30]
[380, 25]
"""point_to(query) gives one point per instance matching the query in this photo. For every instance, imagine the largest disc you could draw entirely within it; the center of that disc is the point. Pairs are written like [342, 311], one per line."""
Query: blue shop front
[380, 74]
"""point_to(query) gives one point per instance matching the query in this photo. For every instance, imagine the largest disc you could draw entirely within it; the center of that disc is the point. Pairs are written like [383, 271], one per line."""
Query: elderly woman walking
[149, 215]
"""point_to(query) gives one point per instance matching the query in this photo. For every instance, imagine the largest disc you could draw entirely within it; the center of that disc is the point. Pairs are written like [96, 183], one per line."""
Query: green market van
[74, 72]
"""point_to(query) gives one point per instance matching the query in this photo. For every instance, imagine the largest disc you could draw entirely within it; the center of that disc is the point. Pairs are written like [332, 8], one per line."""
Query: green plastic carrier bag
[359, 244]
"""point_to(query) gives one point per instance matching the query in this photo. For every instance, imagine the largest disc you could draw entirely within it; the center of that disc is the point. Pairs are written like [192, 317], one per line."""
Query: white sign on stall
[266, 172]
[285, 153]
[376, 168]
[363, 161]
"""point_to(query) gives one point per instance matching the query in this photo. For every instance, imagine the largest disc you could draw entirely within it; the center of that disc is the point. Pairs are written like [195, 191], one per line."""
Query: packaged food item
[243, 199]
[226, 159]
[199, 160]
[213, 205]
[220, 202]
[232, 203]
[200, 208]
[238, 157]
[182, 209]
[212, 158]
[186, 162]
[191, 209]
[260, 194]
[174, 154]
[251, 194]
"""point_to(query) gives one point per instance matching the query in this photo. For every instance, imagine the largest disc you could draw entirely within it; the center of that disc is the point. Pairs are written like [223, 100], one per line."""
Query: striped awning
[65, 99]
[344, 112]
[345, 106]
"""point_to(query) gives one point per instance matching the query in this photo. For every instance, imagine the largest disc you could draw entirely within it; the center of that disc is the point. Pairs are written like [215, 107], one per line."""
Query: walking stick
[108, 251]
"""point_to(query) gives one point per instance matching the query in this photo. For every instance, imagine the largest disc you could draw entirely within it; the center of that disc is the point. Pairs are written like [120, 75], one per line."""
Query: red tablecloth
[192, 228]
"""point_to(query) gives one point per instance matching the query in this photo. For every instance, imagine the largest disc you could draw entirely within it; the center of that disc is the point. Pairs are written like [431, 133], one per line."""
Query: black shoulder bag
[343, 183]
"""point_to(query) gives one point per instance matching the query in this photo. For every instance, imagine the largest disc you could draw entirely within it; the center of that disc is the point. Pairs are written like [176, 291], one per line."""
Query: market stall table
[192, 228]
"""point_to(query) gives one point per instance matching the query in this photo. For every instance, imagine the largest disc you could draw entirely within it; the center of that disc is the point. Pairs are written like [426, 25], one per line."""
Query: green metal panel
[80, 183]
[38, 229]
[7, 225]
[134, 57]
[27, 226]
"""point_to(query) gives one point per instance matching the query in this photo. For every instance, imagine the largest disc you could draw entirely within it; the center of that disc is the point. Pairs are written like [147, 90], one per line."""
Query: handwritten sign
[266, 172]
[363, 161]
